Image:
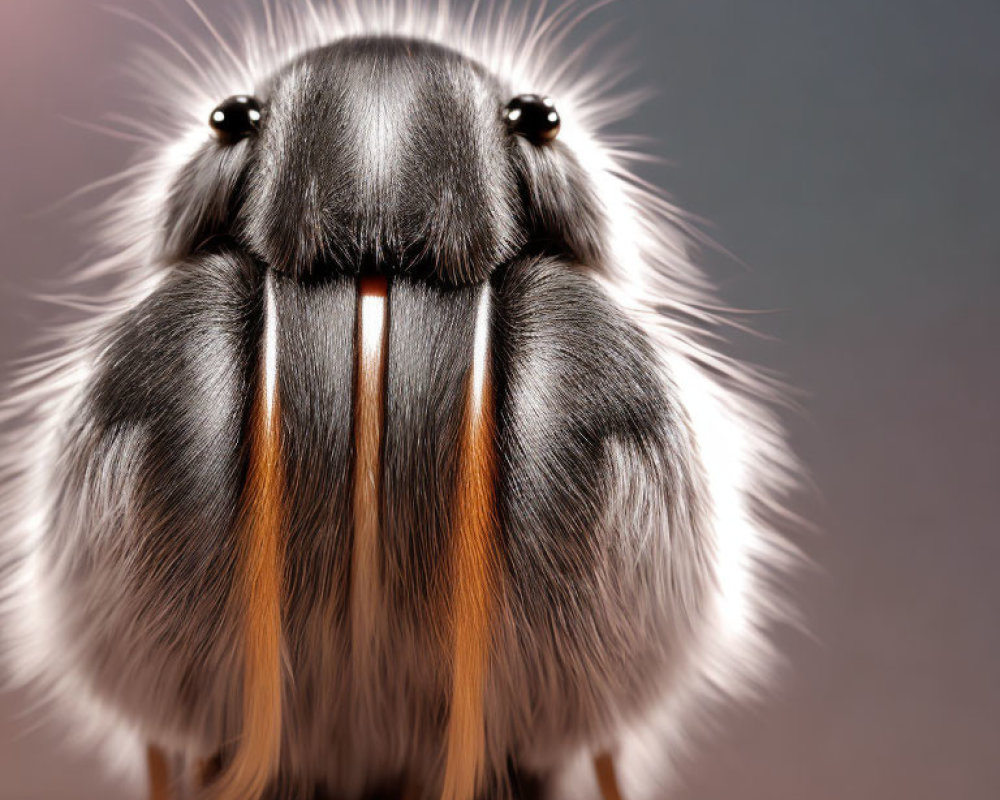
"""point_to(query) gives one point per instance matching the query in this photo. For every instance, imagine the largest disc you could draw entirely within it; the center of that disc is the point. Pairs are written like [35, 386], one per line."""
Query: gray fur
[145, 497]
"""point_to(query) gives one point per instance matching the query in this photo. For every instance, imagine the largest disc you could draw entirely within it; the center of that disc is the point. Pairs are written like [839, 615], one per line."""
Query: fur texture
[639, 472]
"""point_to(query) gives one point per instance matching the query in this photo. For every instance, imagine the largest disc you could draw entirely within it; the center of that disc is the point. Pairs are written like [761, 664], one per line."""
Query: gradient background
[847, 152]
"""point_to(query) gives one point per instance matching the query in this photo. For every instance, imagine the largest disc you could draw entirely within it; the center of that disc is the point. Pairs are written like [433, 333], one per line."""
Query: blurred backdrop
[846, 153]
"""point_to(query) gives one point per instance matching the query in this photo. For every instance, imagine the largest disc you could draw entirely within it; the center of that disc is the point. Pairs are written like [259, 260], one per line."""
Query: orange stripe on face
[369, 413]
[258, 586]
[607, 780]
[473, 572]
[159, 774]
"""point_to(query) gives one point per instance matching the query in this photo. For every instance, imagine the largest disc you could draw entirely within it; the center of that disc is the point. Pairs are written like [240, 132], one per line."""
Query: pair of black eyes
[529, 115]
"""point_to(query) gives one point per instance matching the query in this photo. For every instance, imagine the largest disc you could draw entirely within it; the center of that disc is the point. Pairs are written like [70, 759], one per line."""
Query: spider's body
[406, 383]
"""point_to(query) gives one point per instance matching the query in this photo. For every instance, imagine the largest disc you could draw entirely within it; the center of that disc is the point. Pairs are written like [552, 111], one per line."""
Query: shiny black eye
[534, 117]
[235, 118]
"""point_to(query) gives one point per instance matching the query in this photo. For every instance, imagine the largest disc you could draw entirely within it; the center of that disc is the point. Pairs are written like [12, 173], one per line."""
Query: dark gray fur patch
[574, 374]
[202, 201]
[563, 213]
[592, 605]
[387, 153]
[148, 492]
[430, 351]
[315, 380]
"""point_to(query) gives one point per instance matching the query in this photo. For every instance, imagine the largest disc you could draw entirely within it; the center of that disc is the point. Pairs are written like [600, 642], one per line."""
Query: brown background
[846, 152]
